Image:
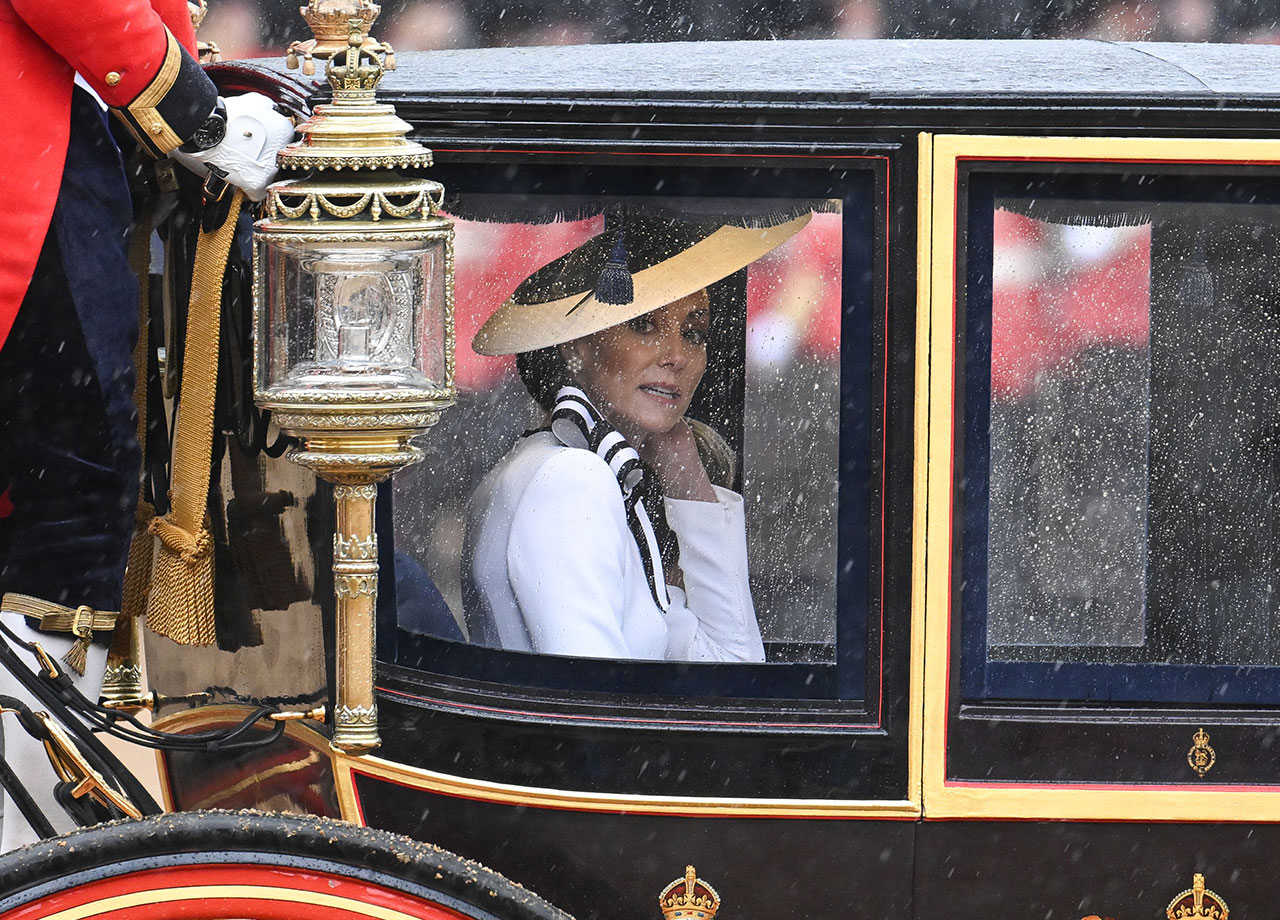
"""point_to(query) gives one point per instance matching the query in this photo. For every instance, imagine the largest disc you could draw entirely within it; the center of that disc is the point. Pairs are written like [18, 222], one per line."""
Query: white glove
[256, 132]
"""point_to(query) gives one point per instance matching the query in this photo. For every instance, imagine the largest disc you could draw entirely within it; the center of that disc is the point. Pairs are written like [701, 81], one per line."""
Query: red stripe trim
[287, 880]
[642, 153]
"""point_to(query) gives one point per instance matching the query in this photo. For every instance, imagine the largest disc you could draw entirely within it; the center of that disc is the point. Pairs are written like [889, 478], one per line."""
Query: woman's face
[642, 373]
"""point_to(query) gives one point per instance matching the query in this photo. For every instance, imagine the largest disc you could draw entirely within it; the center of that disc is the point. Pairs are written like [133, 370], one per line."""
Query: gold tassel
[77, 657]
[180, 605]
[137, 574]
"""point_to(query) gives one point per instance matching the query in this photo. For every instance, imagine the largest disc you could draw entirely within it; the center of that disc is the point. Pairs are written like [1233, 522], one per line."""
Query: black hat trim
[616, 286]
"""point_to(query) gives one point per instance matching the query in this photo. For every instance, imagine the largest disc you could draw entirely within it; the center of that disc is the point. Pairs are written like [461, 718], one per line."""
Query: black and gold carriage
[1006, 412]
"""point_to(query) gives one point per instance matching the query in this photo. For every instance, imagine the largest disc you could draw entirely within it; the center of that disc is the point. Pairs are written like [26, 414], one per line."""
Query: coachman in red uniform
[138, 55]
[69, 458]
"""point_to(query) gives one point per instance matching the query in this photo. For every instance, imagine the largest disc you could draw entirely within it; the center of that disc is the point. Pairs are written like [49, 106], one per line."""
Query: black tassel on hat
[615, 286]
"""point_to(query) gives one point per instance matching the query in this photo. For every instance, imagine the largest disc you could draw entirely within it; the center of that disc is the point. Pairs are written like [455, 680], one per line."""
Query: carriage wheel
[226, 865]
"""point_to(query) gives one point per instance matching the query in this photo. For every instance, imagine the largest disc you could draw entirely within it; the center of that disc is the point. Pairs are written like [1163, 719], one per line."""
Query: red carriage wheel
[229, 865]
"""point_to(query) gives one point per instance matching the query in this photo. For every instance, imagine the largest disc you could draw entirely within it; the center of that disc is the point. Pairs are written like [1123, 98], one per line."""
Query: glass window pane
[789, 482]
[1121, 438]
[1070, 416]
[770, 392]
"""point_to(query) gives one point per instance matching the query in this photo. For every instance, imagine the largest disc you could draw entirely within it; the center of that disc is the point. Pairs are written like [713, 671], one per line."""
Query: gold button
[156, 127]
[113, 78]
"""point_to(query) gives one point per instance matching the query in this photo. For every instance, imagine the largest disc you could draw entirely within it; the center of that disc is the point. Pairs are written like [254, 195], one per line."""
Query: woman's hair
[544, 372]
[715, 453]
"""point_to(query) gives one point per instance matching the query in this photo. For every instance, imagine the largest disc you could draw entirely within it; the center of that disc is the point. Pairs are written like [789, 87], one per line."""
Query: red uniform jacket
[137, 55]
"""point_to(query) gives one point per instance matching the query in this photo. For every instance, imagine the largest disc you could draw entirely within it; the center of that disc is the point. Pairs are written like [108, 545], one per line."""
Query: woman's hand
[674, 456]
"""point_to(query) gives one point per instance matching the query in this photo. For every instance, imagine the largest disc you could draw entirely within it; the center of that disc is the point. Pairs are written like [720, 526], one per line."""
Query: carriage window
[645, 462]
[1122, 438]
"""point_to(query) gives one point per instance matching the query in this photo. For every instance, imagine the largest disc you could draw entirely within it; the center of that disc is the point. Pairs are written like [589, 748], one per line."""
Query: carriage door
[1099, 455]
[593, 773]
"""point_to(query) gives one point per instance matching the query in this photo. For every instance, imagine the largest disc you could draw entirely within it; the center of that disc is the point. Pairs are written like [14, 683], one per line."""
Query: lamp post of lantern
[353, 316]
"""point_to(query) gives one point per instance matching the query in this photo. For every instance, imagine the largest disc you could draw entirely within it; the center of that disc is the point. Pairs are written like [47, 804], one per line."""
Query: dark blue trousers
[68, 448]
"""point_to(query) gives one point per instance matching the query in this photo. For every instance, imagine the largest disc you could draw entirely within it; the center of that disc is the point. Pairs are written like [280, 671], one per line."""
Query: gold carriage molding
[689, 898]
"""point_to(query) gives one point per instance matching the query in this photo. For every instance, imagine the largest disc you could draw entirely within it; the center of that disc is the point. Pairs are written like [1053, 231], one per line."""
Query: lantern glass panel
[352, 314]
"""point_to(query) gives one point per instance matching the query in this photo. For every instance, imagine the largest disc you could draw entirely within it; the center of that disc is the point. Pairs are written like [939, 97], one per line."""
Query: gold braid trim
[80, 622]
[180, 605]
[141, 116]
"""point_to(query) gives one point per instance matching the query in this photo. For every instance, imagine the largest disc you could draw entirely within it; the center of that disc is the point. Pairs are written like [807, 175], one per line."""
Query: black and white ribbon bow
[576, 423]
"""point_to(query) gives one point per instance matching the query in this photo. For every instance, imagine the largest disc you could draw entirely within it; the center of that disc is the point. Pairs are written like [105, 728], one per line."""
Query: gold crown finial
[354, 75]
[1197, 903]
[354, 131]
[689, 898]
[331, 22]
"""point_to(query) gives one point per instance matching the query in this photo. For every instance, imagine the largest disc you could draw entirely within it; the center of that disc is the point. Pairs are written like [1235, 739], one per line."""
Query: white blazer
[550, 566]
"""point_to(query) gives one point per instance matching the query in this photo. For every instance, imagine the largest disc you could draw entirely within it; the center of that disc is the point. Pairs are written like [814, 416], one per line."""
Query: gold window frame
[932, 551]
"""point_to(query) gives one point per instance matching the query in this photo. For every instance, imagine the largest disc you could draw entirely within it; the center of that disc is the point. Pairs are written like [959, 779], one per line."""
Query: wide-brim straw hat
[667, 260]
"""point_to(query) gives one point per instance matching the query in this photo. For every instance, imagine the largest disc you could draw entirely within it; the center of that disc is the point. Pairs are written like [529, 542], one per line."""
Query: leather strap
[137, 574]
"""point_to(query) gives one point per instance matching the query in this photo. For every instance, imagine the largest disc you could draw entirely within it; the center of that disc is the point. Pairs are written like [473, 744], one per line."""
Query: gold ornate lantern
[353, 303]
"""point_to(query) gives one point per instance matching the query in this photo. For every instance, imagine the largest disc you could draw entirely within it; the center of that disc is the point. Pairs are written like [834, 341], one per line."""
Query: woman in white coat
[603, 535]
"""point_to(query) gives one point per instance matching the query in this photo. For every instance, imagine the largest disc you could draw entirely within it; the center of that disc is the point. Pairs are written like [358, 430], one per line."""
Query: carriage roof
[867, 72]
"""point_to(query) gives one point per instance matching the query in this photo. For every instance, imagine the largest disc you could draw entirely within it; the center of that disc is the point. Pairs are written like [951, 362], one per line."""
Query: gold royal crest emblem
[1197, 903]
[1201, 757]
[689, 898]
